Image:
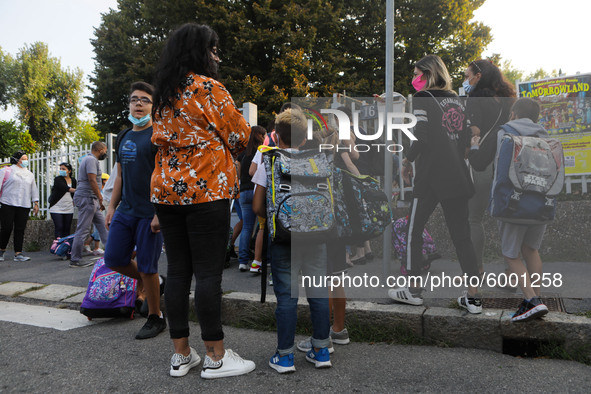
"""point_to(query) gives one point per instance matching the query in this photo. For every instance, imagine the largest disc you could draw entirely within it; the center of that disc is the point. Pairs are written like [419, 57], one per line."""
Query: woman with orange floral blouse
[198, 131]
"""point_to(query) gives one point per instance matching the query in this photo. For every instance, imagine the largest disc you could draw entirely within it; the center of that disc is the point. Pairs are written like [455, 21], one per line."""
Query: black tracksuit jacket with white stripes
[443, 136]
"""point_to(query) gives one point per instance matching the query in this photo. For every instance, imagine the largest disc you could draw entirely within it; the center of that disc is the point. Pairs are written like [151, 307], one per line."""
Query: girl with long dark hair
[61, 203]
[198, 131]
[490, 97]
[257, 136]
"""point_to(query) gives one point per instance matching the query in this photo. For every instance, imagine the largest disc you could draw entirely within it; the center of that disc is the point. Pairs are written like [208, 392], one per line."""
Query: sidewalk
[47, 279]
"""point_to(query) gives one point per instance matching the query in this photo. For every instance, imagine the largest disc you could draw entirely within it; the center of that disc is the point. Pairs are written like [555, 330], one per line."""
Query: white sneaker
[404, 295]
[230, 365]
[243, 267]
[98, 252]
[87, 249]
[472, 304]
[180, 365]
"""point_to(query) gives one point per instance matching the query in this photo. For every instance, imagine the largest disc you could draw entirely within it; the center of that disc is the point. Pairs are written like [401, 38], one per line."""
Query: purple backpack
[109, 293]
[399, 234]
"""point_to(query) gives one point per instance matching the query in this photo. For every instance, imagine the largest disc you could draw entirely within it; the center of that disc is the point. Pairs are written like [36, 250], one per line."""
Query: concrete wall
[568, 238]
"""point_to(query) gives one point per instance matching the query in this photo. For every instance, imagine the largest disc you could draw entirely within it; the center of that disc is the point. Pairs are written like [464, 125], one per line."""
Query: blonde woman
[441, 175]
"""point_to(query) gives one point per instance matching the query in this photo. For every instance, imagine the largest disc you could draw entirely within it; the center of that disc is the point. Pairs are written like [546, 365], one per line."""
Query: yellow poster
[577, 153]
[566, 114]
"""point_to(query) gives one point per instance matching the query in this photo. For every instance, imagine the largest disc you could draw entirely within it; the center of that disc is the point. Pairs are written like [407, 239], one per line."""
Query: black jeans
[62, 223]
[455, 212]
[13, 217]
[196, 237]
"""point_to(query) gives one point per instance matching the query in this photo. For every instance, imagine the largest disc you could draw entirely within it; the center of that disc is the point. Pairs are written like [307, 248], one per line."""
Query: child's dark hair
[526, 107]
[253, 142]
[143, 86]
[291, 126]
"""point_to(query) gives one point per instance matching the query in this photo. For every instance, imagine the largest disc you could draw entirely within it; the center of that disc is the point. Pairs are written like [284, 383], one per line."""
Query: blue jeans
[248, 221]
[311, 261]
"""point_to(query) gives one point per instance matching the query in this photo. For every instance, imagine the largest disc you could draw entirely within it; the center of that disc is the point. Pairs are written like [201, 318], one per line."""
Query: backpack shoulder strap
[119, 138]
[509, 130]
[437, 101]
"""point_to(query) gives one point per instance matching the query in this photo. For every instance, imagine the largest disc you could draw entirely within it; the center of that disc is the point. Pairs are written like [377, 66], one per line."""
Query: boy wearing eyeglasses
[131, 217]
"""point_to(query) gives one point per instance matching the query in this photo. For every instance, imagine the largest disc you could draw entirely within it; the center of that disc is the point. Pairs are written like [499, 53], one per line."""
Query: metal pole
[387, 243]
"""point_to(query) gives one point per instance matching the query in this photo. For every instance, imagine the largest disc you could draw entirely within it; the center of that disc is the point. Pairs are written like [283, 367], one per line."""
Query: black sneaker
[529, 310]
[154, 326]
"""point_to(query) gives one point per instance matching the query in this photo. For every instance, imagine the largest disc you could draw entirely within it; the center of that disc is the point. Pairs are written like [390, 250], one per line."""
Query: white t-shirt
[64, 205]
[258, 158]
[19, 189]
[260, 176]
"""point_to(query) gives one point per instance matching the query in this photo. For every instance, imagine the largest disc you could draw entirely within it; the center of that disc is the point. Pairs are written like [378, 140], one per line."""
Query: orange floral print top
[197, 143]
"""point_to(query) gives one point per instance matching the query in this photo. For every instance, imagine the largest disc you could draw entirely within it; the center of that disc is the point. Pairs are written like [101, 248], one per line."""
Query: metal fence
[45, 167]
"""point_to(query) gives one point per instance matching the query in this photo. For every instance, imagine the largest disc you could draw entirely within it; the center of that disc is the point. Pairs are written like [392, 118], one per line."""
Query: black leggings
[13, 217]
[455, 212]
[196, 237]
[62, 223]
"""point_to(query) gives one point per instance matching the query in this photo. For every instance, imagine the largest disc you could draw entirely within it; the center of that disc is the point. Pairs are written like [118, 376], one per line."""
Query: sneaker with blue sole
[282, 364]
[320, 358]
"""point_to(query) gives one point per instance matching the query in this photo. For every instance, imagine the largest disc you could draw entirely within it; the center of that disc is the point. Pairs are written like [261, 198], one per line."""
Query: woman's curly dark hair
[188, 49]
[492, 83]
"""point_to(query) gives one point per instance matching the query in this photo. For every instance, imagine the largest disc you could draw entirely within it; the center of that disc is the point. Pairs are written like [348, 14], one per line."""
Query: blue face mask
[139, 122]
[63, 173]
[25, 163]
[467, 87]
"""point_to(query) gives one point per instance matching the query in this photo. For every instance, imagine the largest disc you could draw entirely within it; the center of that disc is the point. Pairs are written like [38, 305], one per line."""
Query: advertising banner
[566, 114]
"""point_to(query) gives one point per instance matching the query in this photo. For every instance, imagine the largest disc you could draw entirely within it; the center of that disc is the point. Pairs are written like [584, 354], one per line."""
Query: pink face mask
[418, 83]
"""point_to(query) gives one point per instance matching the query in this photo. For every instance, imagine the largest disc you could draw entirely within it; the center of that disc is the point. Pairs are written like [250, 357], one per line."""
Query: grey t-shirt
[88, 165]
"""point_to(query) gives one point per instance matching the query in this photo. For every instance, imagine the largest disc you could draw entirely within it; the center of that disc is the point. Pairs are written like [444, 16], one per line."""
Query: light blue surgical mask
[139, 122]
[63, 172]
[25, 163]
[467, 87]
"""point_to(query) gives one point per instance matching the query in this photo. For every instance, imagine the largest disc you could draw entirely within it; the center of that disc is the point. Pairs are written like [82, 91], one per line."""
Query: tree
[14, 137]
[7, 76]
[273, 50]
[84, 134]
[47, 97]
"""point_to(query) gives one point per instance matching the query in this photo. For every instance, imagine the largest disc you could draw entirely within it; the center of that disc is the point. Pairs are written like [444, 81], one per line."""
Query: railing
[45, 167]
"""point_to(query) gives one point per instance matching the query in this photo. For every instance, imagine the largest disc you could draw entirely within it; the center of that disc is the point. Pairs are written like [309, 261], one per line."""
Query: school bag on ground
[361, 207]
[109, 293]
[300, 204]
[529, 174]
[399, 238]
[62, 247]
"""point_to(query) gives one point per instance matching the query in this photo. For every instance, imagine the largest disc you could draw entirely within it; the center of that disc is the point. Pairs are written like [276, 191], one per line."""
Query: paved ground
[80, 356]
[105, 358]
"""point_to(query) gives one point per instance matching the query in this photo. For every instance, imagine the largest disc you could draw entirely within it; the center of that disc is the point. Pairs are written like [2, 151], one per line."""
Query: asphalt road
[106, 358]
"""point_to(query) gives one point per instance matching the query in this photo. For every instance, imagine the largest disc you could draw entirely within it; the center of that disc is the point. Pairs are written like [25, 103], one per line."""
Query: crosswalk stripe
[43, 316]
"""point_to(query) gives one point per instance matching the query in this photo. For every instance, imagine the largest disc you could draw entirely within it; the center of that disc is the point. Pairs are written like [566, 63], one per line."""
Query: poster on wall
[566, 114]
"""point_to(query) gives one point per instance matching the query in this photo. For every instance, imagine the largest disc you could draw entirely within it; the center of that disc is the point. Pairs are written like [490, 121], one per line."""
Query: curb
[490, 330]
[393, 323]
